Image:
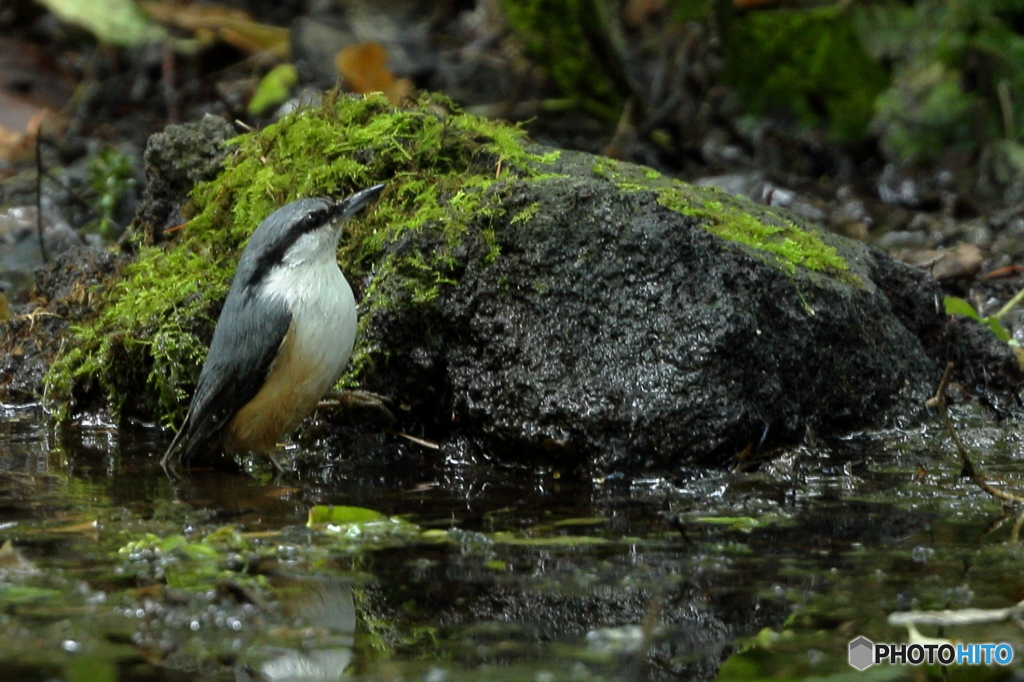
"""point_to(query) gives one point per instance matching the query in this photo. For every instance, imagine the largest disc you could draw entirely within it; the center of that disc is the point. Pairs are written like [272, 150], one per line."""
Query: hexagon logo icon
[862, 653]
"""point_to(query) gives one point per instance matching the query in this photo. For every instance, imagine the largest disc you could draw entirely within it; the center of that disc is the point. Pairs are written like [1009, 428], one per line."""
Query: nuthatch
[284, 336]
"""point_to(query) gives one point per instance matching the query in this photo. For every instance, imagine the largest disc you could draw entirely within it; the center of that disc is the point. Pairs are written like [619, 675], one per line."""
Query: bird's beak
[349, 206]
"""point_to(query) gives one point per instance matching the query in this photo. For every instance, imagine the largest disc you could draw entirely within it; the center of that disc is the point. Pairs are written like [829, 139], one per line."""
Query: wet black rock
[65, 288]
[176, 160]
[616, 334]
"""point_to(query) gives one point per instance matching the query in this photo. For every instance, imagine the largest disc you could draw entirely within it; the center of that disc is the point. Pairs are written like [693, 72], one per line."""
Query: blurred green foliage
[690, 10]
[925, 77]
[958, 73]
[564, 36]
[111, 177]
[808, 62]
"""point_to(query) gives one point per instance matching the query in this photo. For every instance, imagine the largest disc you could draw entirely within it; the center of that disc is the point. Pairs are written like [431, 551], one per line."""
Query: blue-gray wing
[245, 343]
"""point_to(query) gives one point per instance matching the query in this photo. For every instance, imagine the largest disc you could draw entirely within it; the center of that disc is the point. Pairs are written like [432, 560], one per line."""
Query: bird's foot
[278, 469]
[361, 400]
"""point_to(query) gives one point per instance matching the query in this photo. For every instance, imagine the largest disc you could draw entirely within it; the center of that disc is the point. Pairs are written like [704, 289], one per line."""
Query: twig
[991, 528]
[1015, 532]
[169, 77]
[938, 403]
[1010, 305]
[956, 617]
[414, 439]
[39, 195]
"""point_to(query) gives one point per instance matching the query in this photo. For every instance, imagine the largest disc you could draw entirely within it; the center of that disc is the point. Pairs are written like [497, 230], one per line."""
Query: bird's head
[301, 232]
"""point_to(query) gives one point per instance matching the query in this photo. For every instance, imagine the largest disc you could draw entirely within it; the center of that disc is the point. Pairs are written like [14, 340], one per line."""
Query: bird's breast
[323, 312]
[310, 359]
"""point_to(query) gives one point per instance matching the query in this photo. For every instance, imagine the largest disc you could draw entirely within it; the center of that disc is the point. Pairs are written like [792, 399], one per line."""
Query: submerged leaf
[335, 515]
[554, 541]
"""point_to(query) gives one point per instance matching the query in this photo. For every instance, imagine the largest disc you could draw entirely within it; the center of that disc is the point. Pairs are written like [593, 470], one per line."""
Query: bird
[284, 335]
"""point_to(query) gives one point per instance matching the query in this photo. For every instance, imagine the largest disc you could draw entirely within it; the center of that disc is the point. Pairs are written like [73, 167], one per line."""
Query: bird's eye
[311, 221]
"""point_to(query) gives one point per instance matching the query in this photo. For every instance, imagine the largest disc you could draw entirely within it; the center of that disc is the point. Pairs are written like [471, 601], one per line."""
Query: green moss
[605, 168]
[732, 218]
[493, 247]
[147, 333]
[152, 325]
[526, 215]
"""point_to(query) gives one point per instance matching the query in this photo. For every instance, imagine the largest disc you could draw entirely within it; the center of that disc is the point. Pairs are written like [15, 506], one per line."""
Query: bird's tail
[173, 447]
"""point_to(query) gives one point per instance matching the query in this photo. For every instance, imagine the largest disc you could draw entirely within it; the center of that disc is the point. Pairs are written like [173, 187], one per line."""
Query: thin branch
[951, 617]
[39, 194]
[1010, 305]
[938, 403]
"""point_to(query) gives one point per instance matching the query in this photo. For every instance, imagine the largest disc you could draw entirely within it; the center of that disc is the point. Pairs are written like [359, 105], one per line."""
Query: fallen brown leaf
[232, 26]
[363, 68]
[16, 146]
[961, 262]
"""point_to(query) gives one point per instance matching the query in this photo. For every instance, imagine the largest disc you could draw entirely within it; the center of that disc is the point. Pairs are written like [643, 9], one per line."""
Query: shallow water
[469, 571]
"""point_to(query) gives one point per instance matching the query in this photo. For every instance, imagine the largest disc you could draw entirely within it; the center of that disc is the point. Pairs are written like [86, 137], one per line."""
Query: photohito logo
[864, 653]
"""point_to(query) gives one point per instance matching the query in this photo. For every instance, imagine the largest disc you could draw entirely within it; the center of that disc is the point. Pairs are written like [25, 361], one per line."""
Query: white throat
[320, 300]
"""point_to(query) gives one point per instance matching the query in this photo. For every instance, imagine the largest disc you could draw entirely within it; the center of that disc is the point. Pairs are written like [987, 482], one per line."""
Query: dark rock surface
[655, 340]
[64, 293]
[175, 161]
[616, 333]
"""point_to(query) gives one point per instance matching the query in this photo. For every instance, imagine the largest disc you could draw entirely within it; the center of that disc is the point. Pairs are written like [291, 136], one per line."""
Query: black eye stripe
[314, 220]
[311, 222]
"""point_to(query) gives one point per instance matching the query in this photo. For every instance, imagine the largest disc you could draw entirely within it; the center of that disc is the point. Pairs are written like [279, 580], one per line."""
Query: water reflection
[479, 572]
[325, 605]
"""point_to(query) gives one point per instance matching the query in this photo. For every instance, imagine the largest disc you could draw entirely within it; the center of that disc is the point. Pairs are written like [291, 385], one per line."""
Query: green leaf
[90, 668]
[744, 524]
[273, 89]
[118, 22]
[23, 594]
[958, 306]
[1001, 332]
[337, 515]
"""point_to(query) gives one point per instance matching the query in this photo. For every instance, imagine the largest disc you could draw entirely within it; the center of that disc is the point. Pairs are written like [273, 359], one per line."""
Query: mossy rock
[142, 353]
[518, 300]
